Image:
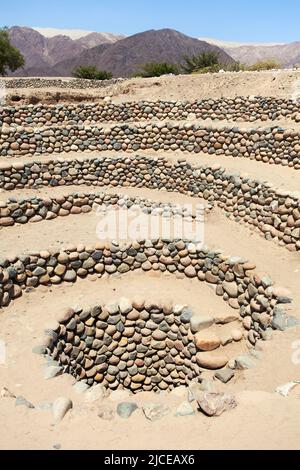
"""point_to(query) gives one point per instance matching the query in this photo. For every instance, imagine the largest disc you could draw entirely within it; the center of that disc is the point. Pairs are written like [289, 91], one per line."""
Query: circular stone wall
[139, 345]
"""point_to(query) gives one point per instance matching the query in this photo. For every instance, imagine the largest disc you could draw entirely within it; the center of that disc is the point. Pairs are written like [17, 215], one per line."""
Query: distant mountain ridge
[59, 55]
[71, 33]
[125, 57]
[233, 44]
[42, 53]
[287, 55]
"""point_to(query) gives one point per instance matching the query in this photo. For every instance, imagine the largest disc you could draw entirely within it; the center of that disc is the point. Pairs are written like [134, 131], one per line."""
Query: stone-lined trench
[269, 145]
[259, 302]
[274, 213]
[140, 346]
[240, 108]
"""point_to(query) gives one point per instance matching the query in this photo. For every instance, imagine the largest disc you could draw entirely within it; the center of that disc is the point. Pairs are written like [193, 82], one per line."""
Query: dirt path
[278, 83]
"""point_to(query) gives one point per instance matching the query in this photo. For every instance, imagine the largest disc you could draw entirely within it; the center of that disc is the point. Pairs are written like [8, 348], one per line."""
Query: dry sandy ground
[278, 83]
[248, 426]
[259, 408]
[263, 419]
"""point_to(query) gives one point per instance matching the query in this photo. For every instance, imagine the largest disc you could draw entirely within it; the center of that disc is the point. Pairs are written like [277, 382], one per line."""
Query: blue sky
[237, 20]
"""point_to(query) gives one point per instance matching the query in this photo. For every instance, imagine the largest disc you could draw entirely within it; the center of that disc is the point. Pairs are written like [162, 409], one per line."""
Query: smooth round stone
[138, 303]
[125, 306]
[230, 288]
[70, 276]
[159, 335]
[207, 341]
[212, 361]
[237, 334]
[190, 272]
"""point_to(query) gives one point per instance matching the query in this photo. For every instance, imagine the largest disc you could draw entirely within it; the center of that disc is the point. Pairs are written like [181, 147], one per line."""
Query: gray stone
[98, 392]
[70, 276]
[40, 350]
[80, 387]
[225, 375]
[155, 412]
[125, 306]
[195, 390]
[52, 371]
[244, 362]
[186, 315]
[199, 323]
[279, 322]
[292, 322]
[21, 401]
[214, 404]
[113, 308]
[125, 410]
[185, 409]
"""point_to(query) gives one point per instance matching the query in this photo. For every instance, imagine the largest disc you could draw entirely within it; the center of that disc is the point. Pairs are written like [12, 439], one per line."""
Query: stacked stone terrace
[44, 149]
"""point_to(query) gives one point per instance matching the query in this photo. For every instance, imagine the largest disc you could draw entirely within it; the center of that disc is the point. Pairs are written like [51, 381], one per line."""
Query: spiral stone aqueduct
[148, 315]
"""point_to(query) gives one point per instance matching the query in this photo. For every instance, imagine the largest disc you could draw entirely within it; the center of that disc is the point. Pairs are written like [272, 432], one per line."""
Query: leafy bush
[265, 65]
[90, 72]
[198, 63]
[10, 57]
[157, 69]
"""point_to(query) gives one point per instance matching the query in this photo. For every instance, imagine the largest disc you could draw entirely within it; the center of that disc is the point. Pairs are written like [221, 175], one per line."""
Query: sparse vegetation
[157, 69]
[10, 57]
[203, 63]
[236, 67]
[265, 65]
[90, 72]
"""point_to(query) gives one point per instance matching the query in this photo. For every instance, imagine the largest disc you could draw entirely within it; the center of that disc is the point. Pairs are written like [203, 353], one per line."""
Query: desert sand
[278, 83]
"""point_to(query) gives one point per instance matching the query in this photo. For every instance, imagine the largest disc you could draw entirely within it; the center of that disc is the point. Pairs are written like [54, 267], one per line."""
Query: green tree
[91, 72]
[157, 69]
[10, 57]
[206, 61]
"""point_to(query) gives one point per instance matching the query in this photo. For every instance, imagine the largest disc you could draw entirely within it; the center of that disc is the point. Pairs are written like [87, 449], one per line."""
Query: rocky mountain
[96, 39]
[81, 36]
[233, 44]
[125, 57]
[52, 54]
[42, 53]
[287, 55]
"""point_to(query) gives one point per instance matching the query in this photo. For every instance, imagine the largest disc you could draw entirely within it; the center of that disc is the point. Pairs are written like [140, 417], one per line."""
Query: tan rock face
[207, 341]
